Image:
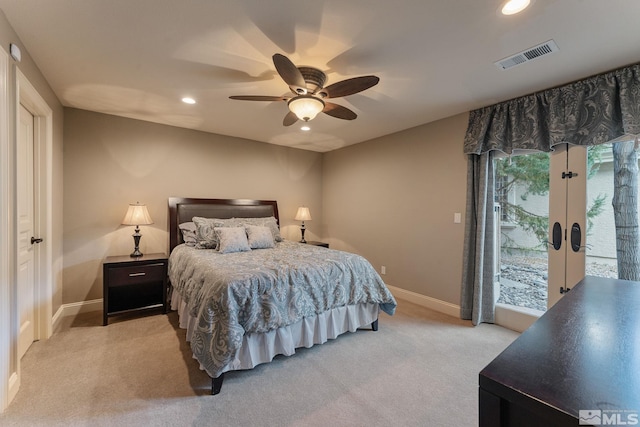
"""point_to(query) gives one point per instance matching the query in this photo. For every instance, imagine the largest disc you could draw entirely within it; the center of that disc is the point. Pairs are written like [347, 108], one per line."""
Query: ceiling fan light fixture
[306, 107]
[307, 85]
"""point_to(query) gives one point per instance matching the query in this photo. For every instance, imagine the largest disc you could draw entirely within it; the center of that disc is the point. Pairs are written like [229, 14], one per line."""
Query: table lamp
[137, 215]
[303, 215]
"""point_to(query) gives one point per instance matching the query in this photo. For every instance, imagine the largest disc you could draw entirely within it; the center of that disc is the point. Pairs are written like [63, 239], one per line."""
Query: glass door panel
[522, 206]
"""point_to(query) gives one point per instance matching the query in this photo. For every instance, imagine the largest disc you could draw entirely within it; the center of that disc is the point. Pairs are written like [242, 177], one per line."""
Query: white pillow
[231, 239]
[260, 237]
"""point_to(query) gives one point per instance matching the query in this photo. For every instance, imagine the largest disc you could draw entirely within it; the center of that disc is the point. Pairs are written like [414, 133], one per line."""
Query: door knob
[34, 240]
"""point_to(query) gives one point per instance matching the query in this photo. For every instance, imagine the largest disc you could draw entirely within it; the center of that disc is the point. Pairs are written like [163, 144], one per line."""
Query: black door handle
[576, 237]
[34, 240]
[557, 236]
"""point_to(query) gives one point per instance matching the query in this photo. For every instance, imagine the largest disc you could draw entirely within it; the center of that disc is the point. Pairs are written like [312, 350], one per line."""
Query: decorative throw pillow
[205, 235]
[231, 239]
[269, 221]
[259, 237]
[188, 230]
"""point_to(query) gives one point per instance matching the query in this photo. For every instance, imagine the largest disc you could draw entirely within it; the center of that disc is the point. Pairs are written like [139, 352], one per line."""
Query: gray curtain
[477, 298]
[588, 112]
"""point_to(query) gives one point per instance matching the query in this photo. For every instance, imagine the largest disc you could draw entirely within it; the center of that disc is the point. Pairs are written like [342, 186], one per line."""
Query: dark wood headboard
[184, 209]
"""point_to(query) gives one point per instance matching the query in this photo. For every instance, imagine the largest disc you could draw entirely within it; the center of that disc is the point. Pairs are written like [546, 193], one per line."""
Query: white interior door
[25, 220]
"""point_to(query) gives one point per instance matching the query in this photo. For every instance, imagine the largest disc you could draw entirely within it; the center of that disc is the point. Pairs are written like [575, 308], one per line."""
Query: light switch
[457, 217]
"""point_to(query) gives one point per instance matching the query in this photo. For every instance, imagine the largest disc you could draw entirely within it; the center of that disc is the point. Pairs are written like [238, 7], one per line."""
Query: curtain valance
[592, 111]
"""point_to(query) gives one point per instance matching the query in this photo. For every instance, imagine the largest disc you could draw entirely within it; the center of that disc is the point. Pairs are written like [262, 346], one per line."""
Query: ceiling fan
[307, 86]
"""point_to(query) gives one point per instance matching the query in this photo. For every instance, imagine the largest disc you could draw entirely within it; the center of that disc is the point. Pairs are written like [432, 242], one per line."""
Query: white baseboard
[56, 318]
[425, 301]
[76, 308]
[14, 386]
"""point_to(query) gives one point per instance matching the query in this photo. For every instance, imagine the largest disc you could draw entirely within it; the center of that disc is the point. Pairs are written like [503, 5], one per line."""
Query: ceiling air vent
[528, 55]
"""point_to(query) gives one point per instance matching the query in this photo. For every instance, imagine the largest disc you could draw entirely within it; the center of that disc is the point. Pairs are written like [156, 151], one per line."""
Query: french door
[567, 219]
[541, 208]
[593, 223]
[603, 202]
[530, 270]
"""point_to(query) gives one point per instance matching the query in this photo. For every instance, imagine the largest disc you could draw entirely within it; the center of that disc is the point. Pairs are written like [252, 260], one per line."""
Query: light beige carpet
[420, 369]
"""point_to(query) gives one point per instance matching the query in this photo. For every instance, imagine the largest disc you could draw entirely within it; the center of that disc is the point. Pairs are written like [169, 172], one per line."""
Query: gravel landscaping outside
[523, 280]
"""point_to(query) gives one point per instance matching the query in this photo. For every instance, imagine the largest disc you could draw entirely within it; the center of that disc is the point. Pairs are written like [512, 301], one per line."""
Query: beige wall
[112, 161]
[32, 73]
[393, 201]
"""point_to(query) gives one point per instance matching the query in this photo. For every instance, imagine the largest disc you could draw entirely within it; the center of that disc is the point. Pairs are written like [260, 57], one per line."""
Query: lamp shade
[137, 215]
[306, 107]
[303, 214]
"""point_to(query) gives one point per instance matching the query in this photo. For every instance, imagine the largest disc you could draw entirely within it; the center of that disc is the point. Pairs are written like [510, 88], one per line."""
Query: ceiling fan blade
[350, 86]
[289, 119]
[258, 98]
[338, 111]
[290, 73]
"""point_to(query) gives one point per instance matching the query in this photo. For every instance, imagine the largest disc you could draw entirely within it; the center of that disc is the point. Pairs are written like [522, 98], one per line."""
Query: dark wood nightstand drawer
[134, 284]
[136, 274]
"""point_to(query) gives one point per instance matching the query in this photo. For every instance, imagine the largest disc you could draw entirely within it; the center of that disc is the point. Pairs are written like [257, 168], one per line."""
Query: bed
[243, 306]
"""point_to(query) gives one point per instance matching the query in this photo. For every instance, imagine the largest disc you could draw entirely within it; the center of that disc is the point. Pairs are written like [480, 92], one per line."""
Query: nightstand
[134, 284]
[323, 244]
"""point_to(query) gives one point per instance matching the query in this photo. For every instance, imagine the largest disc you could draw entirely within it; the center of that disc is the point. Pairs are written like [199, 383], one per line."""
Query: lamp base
[136, 241]
[302, 230]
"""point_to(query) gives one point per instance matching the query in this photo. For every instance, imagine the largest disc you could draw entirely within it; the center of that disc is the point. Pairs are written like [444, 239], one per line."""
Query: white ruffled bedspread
[234, 294]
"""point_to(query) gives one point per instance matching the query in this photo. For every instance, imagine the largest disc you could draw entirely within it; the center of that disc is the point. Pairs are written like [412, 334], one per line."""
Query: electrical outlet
[383, 270]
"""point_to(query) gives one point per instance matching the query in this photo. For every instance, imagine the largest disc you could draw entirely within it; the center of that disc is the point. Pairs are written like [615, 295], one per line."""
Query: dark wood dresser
[579, 364]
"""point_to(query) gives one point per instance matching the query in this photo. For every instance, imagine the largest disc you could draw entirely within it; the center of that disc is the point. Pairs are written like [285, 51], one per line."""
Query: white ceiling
[435, 58]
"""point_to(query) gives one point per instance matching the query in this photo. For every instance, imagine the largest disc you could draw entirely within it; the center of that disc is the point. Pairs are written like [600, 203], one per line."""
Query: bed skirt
[260, 348]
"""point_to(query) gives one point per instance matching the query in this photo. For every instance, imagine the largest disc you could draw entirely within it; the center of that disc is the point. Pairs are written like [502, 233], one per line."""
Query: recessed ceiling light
[305, 128]
[512, 7]
[188, 100]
